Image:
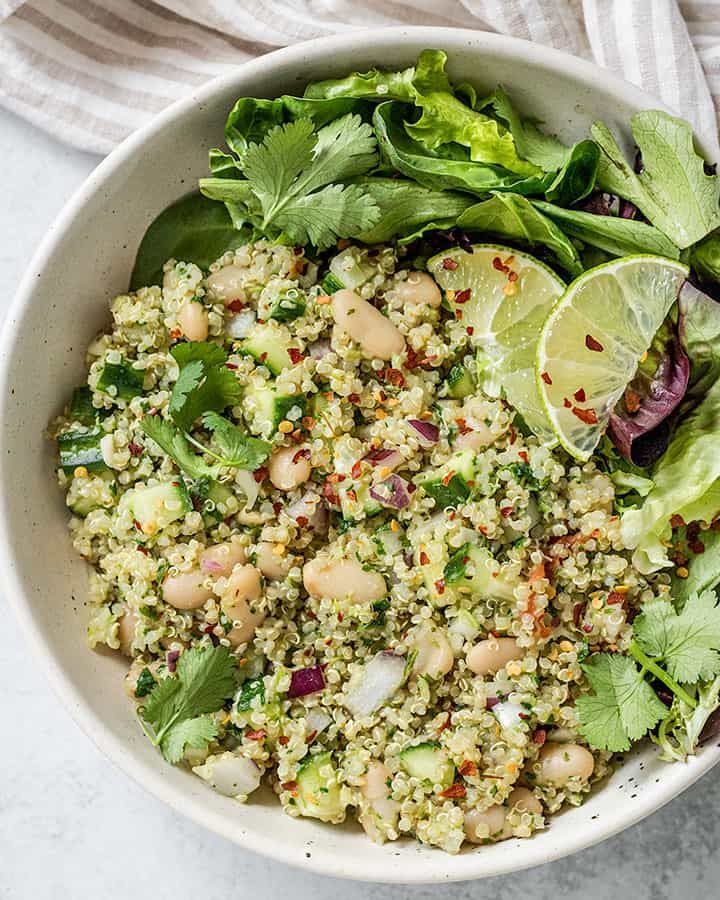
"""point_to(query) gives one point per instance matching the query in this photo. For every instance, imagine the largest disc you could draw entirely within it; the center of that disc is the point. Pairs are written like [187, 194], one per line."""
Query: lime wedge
[593, 340]
[503, 297]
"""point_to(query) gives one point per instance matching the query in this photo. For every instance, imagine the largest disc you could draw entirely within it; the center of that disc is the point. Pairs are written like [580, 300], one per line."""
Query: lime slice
[593, 340]
[503, 297]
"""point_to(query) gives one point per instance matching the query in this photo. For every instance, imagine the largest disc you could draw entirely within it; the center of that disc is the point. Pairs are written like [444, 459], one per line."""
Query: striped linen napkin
[91, 71]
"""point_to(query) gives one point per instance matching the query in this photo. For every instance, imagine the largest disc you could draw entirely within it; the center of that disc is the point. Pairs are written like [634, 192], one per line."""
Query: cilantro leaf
[622, 706]
[687, 642]
[236, 449]
[204, 382]
[177, 447]
[295, 174]
[673, 190]
[205, 679]
[196, 733]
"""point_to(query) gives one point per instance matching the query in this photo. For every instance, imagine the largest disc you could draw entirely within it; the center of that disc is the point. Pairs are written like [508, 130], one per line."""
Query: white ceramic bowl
[85, 260]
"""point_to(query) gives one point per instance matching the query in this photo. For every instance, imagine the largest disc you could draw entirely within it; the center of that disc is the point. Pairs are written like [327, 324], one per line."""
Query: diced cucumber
[81, 448]
[318, 792]
[268, 344]
[428, 762]
[487, 582]
[81, 408]
[349, 269]
[128, 382]
[362, 505]
[460, 383]
[450, 486]
[289, 305]
[219, 494]
[156, 507]
[266, 408]
[389, 542]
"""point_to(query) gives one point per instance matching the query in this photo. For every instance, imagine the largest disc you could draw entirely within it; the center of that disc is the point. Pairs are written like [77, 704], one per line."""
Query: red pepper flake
[676, 521]
[394, 377]
[255, 735]
[632, 401]
[302, 521]
[592, 344]
[450, 264]
[454, 792]
[500, 265]
[458, 315]
[295, 355]
[578, 611]
[283, 740]
[445, 724]
[440, 585]
[462, 296]
[263, 357]
[298, 251]
[289, 786]
[463, 426]
[354, 398]
[506, 511]
[301, 454]
[566, 403]
[356, 469]
[335, 477]
[330, 495]
[513, 277]
[260, 474]
[513, 435]
[696, 546]
[137, 525]
[236, 305]
[523, 456]
[448, 477]
[277, 507]
[352, 496]
[546, 378]
[579, 395]
[587, 628]
[424, 558]
[175, 334]
[231, 366]
[468, 769]
[135, 449]
[614, 598]
[146, 552]
[539, 736]
[588, 416]
[340, 617]
[470, 330]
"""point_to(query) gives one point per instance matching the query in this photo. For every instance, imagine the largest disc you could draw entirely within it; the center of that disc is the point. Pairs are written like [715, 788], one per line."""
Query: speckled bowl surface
[83, 262]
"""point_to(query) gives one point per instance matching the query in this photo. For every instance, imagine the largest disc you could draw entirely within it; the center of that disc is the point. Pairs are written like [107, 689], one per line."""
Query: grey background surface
[73, 827]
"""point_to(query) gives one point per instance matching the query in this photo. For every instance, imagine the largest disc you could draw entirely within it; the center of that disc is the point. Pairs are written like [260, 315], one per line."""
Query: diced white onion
[241, 324]
[507, 713]
[230, 774]
[375, 683]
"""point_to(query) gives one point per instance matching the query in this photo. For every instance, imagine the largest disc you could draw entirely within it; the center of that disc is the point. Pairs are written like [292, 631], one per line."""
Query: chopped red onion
[428, 433]
[306, 681]
[393, 492]
[171, 659]
[491, 701]
[389, 458]
[211, 566]
[375, 683]
[320, 348]
[311, 508]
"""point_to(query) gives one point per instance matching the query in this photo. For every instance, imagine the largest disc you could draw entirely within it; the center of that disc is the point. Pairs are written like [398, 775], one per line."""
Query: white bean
[480, 825]
[270, 563]
[489, 656]
[419, 289]
[187, 590]
[561, 762]
[434, 654]
[288, 468]
[220, 559]
[342, 578]
[227, 284]
[127, 626]
[524, 800]
[375, 333]
[375, 789]
[238, 592]
[193, 320]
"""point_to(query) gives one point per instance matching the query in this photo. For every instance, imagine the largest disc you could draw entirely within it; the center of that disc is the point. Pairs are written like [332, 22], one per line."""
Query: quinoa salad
[397, 467]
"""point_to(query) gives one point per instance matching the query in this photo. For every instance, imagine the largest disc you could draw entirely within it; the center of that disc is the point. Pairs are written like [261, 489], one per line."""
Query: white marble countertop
[73, 826]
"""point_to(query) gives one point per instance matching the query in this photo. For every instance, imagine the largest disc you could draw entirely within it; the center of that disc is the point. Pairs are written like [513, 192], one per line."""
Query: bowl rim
[151, 778]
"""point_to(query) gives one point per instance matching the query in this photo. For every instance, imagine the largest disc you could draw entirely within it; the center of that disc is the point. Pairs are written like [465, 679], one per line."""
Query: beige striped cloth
[91, 71]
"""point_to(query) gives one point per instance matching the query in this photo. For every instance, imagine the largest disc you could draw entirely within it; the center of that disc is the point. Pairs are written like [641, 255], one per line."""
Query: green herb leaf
[204, 382]
[253, 687]
[145, 683]
[206, 677]
[177, 447]
[196, 733]
[236, 449]
[456, 567]
[623, 706]
[672, 190]
[688, 643]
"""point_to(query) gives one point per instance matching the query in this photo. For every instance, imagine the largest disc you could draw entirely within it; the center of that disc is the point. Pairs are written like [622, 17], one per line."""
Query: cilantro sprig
[678, 649]
[204, 382]
[178, 711]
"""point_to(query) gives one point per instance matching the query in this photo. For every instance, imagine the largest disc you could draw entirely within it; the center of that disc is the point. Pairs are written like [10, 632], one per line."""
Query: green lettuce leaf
[705, 258]
[673, 190]
[699, 330]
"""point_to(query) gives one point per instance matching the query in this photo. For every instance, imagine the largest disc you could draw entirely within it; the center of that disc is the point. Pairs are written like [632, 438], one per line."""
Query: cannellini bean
[289, 467]
[270, 563]
[489, 656]
[187, 590]
[127, 626]
[420, 289]
[434, 654]
[375, 789]
[561, 762]
[193, 320]
[479, 825]
[375, 333]
[524, 800]
[227, 284]
[333, 579]
[220, 559]
[238, 592]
